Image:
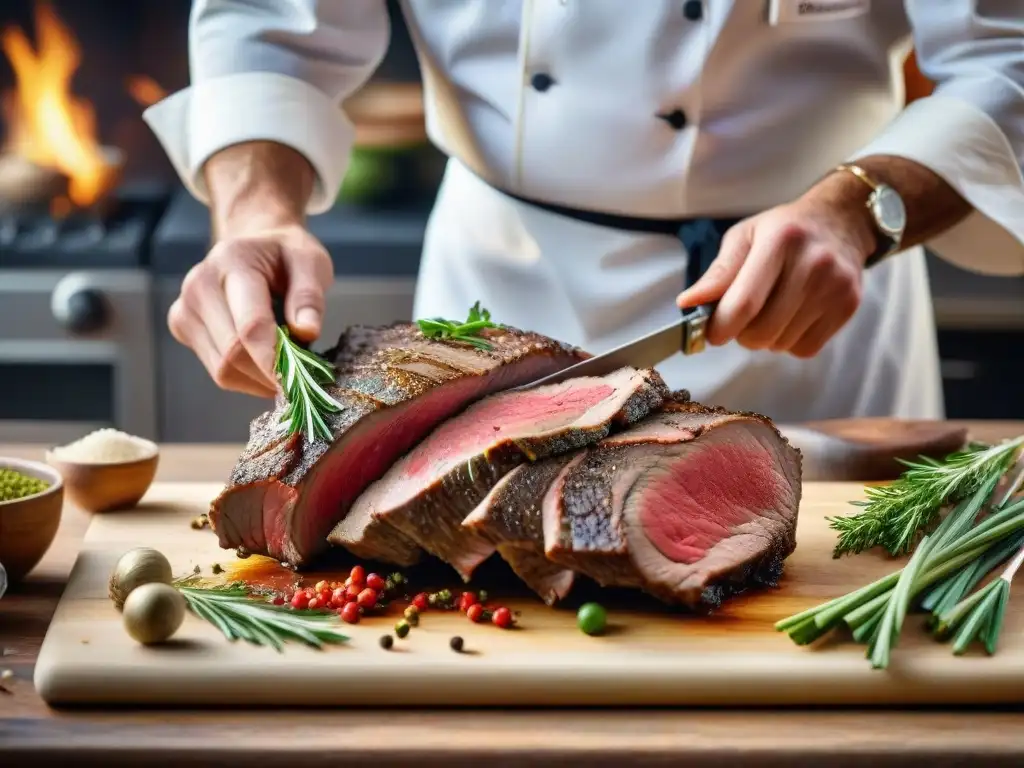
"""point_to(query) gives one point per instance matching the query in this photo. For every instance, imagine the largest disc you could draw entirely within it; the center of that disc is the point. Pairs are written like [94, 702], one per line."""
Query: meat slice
[428, 493]
[287, 492]
[691, 505]
[510, 518]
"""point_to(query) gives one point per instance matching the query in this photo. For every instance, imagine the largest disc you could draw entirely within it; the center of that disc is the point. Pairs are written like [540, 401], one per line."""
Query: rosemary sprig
[464, 333]
[875, 614]
[233, 610]
[303, 375]
[894, 515]
[951, 590]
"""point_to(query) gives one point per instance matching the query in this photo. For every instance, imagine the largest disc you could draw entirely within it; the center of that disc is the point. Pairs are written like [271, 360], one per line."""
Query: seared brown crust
[376, 368]
[588, 529]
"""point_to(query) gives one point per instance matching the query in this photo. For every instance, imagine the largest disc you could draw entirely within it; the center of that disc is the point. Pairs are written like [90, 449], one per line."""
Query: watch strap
[886, 245]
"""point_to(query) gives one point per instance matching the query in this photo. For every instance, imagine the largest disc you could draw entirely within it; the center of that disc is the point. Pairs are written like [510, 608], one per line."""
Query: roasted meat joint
[436, 449]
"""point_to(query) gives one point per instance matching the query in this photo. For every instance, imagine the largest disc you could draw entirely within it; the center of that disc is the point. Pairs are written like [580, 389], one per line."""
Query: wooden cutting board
[650, 655]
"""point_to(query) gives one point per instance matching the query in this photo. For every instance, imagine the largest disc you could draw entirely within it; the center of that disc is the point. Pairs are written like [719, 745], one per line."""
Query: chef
[596, 147]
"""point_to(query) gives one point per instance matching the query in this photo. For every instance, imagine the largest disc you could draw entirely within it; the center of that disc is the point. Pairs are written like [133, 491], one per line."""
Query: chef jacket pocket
[811, 11]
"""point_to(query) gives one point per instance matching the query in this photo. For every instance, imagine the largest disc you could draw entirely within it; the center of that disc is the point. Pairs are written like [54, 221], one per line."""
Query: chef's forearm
[933, 206]
[257, 185]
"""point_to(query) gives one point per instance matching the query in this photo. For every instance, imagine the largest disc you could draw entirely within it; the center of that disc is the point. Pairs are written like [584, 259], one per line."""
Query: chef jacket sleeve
[970, 131]
[274, 70]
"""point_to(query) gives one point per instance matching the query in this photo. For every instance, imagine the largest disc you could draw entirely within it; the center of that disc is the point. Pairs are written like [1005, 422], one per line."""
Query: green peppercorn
[396, 578]
[412, 615]
[16, 485]
[386, 641]
[456, 644]
[482, 597]
[591, 619]
[402, 628]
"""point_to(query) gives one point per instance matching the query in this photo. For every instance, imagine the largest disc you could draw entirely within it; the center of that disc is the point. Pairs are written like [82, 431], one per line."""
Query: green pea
[15, 485]
[591, 619]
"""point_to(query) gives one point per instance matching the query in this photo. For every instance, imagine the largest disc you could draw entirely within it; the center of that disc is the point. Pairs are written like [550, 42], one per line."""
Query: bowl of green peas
[31, 500]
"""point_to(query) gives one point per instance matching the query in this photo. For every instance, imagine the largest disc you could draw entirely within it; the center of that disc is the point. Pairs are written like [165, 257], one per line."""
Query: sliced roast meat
[690, 505]
[286, 492]
[510, 517]
[428, 493]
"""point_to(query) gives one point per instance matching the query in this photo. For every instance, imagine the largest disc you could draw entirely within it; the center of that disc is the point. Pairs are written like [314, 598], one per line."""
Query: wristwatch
[887, 210]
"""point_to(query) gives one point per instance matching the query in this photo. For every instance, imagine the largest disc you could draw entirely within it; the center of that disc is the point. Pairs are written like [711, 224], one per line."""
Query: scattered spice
[350, 613]
[17, 485]
[467, 600]
[376, 582]
[200, 522]
[456, 644]
[367, 599]
[357, 575]
[216, 568]
[421, 601]
[502, 617]
[105, 446]
[402, 628]
[475, 613]
[196, 570]
[412, 615]
[386, 642]
[591, 619]
[242, 553]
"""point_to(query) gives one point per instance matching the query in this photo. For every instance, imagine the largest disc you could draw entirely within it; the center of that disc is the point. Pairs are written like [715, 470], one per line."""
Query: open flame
[48, 124]
[145, 90]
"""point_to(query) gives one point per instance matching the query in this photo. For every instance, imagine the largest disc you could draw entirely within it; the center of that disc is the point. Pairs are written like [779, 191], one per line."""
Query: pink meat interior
[506, 417]
[368, 450]
[696, 496]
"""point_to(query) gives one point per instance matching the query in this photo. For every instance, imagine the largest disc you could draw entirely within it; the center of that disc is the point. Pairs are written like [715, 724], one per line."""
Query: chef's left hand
[788, 279]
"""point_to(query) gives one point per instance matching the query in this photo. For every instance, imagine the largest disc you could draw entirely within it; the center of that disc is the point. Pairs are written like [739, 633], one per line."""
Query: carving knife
[685, 335]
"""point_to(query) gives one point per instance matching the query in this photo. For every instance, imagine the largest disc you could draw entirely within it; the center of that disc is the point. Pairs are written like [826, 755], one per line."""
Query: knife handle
[695, 321]
[702, 239]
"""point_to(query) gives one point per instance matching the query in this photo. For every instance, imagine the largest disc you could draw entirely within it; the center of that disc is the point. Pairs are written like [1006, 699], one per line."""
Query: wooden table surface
[30, 731]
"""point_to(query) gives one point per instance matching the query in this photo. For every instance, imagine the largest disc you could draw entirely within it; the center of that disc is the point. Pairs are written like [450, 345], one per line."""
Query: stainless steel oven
[76, 353]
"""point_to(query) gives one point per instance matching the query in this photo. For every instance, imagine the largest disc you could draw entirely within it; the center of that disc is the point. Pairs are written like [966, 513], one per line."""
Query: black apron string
[701, 237]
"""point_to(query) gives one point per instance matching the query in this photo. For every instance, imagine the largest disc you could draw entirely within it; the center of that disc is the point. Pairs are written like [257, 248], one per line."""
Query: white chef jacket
[659, 108]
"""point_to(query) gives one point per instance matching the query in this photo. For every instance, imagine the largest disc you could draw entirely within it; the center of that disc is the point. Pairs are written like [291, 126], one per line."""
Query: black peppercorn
[386, 641]
[456, 644]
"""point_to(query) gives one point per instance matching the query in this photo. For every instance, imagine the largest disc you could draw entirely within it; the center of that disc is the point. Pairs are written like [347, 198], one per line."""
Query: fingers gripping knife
[701, 238]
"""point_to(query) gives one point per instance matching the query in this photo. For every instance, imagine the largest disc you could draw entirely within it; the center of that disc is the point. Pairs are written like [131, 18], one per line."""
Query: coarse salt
[105, 446]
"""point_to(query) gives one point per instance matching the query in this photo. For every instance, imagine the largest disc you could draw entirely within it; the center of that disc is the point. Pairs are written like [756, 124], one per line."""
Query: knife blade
[686, 335]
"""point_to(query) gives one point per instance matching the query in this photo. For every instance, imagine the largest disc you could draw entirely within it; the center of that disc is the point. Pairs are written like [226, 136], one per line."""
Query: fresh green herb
[979, 616]
[303, 376]
[466, 332]
[875, 614]
[234, 611]
[895, 514]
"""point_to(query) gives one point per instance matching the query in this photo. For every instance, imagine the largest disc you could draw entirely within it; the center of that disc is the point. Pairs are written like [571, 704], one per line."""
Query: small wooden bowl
[29, 524]
[107, 486]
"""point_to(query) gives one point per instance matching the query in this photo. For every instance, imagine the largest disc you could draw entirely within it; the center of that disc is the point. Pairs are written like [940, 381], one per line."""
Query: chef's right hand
[225, 314]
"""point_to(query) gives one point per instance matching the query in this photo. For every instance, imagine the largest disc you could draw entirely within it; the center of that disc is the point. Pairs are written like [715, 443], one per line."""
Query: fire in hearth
[48, 126]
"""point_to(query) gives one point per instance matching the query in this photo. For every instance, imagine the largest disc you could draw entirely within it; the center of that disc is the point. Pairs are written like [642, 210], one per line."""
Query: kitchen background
[93, 254]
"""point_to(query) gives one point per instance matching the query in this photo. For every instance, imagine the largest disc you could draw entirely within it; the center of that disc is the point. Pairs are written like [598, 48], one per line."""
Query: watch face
[887, 208]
